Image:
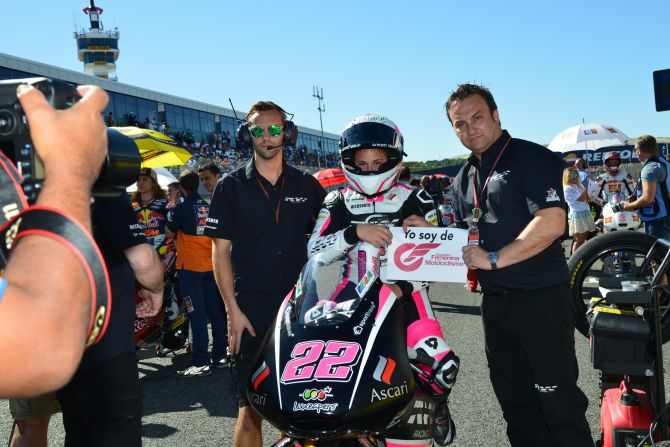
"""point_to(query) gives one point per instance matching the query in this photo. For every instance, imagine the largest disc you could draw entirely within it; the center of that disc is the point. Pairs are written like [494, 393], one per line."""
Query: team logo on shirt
[295, 199]
[552, 195]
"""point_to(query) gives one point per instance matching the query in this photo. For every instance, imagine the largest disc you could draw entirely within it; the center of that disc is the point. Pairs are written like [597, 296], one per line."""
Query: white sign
[427, 254]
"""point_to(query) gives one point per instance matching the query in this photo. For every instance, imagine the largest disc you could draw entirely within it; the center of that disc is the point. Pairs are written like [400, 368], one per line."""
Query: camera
[120, 168]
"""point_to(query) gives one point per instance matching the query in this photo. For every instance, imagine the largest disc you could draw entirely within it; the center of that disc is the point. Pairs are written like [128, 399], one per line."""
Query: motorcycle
[617, 263]
[169, 328]
[625, 318]
[615, 221]
[334, 369]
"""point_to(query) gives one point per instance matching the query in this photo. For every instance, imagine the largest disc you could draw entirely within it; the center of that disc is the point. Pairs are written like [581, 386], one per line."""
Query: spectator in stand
[580, 220]
[196, 278]
[133, 121]
[110, 120]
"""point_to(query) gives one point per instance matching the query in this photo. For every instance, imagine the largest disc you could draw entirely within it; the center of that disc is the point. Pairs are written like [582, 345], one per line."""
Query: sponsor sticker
[427, 254]
[387, 393]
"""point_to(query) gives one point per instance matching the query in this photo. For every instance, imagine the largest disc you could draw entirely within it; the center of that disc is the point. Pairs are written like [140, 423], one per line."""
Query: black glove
[618, 207]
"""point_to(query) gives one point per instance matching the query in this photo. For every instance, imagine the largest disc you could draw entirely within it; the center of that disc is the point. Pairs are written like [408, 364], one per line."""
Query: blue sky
[548, 64]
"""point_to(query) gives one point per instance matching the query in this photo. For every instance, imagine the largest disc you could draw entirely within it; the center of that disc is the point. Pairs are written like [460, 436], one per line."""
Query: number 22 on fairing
[318, 360]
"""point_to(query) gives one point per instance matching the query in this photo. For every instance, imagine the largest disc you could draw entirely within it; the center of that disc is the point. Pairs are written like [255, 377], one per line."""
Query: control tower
[98, 48]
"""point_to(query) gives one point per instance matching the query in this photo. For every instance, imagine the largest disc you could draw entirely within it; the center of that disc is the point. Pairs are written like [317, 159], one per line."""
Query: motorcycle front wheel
[615, 254]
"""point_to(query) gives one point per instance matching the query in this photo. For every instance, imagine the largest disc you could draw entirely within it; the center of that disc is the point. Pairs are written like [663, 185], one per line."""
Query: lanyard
[476, 211]
[267, 196]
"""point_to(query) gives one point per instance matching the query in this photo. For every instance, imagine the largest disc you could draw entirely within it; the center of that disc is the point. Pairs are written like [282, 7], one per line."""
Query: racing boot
[444, 429]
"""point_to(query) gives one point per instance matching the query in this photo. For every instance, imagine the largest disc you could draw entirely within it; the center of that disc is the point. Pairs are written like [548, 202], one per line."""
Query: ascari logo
[259, 375]
[387, 393]
[408, 257]
[258, 399]
[384, 370]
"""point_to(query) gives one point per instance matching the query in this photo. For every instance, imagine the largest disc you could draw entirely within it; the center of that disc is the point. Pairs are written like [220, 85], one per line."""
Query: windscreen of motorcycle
[326, 294]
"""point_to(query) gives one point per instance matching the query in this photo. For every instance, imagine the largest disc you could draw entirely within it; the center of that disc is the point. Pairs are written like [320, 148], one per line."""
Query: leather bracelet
[54, 224]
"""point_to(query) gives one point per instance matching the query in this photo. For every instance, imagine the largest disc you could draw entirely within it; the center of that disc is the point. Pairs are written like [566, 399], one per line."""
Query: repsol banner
[627, 154]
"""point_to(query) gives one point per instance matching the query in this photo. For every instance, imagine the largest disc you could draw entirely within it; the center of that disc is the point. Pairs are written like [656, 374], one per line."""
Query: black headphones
[243, 139]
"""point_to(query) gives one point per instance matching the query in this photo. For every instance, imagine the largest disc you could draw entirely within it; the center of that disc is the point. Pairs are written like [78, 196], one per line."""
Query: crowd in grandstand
[222, 149]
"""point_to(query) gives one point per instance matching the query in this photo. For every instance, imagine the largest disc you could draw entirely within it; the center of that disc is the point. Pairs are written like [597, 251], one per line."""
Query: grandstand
[202, 128]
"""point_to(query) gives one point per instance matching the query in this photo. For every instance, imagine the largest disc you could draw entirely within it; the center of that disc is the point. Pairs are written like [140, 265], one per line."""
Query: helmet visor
[369, 135]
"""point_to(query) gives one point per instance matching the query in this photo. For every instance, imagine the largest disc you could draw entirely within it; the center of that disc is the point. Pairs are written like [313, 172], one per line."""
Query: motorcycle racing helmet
[612, 163]
[372, 132]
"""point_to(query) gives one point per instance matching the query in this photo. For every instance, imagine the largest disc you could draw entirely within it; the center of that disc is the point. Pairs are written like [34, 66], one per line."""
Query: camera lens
[7, 122]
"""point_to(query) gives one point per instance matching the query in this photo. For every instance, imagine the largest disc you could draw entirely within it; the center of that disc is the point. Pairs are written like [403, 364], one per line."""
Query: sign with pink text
[427, 254]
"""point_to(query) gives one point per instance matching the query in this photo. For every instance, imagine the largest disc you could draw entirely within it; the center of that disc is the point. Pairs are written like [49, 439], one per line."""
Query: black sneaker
[195, 371]
[221, 362]
[444, 430]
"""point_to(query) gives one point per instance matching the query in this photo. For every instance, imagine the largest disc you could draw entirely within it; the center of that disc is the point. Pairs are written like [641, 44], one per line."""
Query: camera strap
[52, 223]
[12, 199]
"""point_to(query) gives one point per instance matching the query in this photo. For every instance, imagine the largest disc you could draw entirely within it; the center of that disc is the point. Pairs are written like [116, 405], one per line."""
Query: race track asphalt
[201, 411]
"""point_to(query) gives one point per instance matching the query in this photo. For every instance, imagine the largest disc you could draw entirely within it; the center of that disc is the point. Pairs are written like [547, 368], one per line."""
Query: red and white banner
[427, 254]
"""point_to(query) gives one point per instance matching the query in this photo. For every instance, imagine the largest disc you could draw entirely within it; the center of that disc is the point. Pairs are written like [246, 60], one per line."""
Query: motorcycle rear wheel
[589, 263]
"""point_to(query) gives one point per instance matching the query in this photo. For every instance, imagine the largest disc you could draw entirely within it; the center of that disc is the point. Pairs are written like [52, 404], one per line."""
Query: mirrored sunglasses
[612, 164]
[274, 130]
[573, 175]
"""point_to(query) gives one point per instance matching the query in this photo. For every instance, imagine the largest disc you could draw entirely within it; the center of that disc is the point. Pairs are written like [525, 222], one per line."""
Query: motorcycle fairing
[335, 384]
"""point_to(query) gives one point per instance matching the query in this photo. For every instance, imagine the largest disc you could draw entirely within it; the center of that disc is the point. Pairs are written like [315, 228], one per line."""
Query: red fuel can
[625, 416]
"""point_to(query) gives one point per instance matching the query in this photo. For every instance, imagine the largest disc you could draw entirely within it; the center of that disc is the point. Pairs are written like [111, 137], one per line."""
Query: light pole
[318, 94]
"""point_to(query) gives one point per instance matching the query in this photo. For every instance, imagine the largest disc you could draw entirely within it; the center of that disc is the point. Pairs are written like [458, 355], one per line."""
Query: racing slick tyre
[601, 257]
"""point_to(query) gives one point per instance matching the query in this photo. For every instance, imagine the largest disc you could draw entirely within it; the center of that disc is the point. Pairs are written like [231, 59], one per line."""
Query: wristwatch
[493, 259]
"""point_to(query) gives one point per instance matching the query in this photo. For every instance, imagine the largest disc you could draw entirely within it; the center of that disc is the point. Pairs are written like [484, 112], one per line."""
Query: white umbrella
[588, 137]
[165, 177]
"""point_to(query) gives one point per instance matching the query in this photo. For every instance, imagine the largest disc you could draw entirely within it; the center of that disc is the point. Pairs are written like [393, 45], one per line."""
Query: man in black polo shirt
[510, 197]
[259, 217]
[102, 404]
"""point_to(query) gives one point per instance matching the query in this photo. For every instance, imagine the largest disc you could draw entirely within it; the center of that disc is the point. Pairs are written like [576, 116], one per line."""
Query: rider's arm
[333, 234]
[45, 309]
[148, 272]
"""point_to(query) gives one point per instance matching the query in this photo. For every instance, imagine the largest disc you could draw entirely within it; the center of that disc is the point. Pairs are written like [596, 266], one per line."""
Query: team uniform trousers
[207, 304]
[104, 416]
[261, 311]
[529, 338]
